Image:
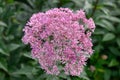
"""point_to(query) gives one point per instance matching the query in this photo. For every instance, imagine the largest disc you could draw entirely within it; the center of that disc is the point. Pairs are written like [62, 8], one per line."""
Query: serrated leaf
[108, 36]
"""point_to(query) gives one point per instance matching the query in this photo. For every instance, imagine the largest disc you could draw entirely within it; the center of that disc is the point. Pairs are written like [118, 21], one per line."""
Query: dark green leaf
[3, 66]
[115, 51]
[111, 18]
[107, 75]
[26, 70]
[2, 76]
[3, 52]
[13, 47]
[113, 62]
[106, 24]
[108, 36]
[109, 4]
[118, 41]
[28, 55]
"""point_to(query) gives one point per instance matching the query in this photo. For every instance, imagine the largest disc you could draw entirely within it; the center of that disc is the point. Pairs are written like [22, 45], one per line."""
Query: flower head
[60, 37]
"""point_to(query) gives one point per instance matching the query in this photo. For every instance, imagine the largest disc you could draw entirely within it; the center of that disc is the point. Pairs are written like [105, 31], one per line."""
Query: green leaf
[31, 3]
[28, 55]
[115, 51]
[78, 2]
[52, 77]
[109, 25]
[105, 10]
[10, 1]
[83, 75]
[1, 9]
[13, 47]
[25, 70]
[106, 24]
[26, 7]
[2, 24]
[2, 76]
[108, 36]
[118, 41]
[113, 62]
[107, 75]
[87, 5]
[110, 4]
[118, 28]
[3, 66]
[3, 52]
[100, 70]
[111, 18]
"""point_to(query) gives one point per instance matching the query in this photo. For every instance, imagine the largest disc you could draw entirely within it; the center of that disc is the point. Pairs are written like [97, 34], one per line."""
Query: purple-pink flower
[60, 40]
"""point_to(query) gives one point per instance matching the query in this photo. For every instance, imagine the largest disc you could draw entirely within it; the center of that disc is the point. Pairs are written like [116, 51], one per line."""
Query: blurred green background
[15, 59]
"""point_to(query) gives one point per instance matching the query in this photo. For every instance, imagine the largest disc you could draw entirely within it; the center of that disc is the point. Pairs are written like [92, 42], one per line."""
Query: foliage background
[16, 62]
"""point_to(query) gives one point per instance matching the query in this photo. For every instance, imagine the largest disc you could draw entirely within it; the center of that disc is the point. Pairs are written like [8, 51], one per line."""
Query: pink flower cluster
[60, 38]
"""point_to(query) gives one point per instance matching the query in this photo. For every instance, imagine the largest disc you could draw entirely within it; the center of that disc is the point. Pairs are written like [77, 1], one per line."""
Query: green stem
[95, 7]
